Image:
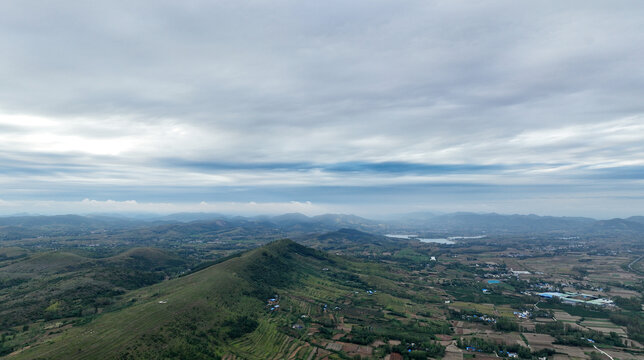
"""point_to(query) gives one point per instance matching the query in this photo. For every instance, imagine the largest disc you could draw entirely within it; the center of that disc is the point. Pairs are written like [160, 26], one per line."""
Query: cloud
[89, 206]
[161, 98]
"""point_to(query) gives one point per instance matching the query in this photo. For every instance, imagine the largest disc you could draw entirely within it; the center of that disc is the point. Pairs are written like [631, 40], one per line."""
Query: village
[499, 307]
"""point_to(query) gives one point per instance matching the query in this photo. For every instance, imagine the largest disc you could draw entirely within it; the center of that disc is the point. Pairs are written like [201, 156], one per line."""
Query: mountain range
[453, 224]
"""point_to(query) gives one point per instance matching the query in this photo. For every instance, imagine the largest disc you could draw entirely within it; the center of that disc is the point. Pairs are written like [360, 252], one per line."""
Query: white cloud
[105, 94]
[89, 206]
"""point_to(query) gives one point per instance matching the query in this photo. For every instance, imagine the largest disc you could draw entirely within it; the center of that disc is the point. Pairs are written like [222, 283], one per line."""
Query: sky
[367, 107]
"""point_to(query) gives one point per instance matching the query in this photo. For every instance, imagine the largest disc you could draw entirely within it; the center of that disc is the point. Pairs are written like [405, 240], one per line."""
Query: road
[630, 266]
[603, 352]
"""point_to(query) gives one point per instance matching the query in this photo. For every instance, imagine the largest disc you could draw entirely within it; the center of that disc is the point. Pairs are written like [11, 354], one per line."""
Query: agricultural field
[338, 295]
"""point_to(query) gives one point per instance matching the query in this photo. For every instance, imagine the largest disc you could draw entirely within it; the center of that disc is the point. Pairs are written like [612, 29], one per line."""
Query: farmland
[337, 295]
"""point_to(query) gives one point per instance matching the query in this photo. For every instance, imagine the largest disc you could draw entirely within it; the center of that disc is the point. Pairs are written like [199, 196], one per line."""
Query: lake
[401, 236]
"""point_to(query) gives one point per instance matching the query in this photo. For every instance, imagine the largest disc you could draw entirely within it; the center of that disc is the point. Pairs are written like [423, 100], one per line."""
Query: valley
[231, 290]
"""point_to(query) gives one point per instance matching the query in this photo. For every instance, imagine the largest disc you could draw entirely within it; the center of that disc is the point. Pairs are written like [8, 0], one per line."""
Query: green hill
[351, 241]
[193, 316]
[57, 285]
[224, 311]
[49, 262]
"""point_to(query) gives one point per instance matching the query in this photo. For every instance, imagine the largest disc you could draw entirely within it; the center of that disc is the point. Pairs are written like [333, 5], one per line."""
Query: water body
[437, 241]
[448, 240]
[493, 281]
[401, 236]
[466, 237]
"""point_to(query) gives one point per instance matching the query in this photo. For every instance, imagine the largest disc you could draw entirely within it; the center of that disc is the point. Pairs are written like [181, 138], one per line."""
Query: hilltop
[351, 241]
[252, 305]
[192, 315]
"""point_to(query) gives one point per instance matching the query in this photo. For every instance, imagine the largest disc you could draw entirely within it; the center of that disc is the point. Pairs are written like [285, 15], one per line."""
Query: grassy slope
[197, 316]
[196, 304]
[30, 284]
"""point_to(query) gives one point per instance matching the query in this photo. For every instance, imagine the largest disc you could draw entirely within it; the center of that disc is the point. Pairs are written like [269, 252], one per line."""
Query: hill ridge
[227, 295]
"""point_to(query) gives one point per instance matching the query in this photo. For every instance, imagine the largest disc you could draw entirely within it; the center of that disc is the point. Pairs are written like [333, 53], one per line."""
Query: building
[577, 298]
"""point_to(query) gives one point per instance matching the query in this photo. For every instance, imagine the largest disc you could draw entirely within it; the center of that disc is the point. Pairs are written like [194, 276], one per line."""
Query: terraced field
[268, 343]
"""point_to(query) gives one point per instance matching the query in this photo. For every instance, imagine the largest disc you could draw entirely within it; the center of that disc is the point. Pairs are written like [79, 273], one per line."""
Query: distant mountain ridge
[497, 223]
[460, 223]
[58, 220]
[493, 223]
[638, 219]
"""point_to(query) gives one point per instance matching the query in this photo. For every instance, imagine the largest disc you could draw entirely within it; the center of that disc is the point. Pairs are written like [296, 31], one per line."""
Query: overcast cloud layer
[368, 107]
